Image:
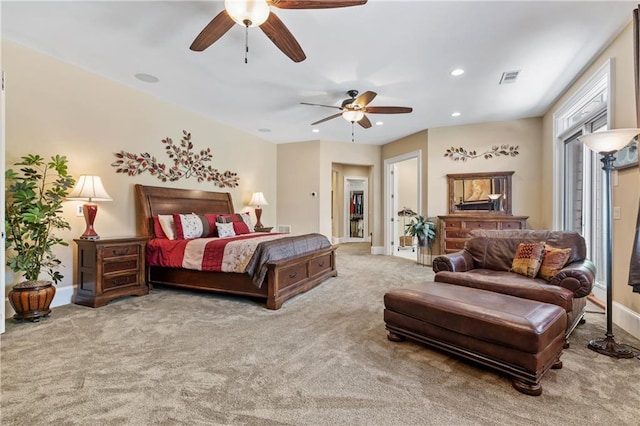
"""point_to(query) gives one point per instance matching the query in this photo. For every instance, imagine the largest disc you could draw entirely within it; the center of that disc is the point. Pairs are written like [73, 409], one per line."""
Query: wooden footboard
[285, 279]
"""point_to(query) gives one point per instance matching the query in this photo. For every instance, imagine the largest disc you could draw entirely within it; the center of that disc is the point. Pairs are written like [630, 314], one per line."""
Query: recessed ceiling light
[316, 130]
[147, 78]
[264, 130]
[455, 114]
[457, 72]
[379, 123]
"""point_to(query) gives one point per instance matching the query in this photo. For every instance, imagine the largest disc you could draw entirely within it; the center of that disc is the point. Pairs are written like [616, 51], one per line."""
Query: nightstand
[109, 268]
[263, 228]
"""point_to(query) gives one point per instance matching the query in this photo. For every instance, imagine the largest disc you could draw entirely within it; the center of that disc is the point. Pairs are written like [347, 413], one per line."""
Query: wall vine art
[186, 164]
[461, 154]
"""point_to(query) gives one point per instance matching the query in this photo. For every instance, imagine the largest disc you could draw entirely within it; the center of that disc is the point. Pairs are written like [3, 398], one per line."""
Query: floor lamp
[607, 143]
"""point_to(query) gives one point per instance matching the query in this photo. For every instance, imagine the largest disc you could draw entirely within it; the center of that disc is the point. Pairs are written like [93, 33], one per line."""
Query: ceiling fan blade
[388, 110]
[331, 117]
[364, 99]
[364, 122]
[280, 35]
[314, 4]
[328, 106]
[213, 31]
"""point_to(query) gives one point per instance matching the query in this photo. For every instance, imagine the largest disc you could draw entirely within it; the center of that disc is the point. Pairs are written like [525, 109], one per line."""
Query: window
[579, 176]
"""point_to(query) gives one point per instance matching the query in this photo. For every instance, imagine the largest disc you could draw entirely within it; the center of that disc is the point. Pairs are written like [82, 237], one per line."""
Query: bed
[284, 278]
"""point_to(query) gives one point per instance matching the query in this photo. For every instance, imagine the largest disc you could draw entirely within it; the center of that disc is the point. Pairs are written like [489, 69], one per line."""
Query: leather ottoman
[520, 337]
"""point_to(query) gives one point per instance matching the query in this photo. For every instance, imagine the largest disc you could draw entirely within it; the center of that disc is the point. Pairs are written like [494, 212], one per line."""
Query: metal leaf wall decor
[461, 154]
[186, 164]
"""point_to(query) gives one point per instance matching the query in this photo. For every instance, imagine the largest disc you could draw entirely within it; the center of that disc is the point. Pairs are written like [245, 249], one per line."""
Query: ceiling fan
[353, 109]
[257, 13]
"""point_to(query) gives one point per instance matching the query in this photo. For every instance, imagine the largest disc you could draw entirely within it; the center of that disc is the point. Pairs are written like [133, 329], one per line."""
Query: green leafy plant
[34, 196]
[422, 228]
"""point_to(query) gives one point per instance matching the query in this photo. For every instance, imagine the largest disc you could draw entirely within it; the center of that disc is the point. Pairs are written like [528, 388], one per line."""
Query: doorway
[403, 193]
[356, 213]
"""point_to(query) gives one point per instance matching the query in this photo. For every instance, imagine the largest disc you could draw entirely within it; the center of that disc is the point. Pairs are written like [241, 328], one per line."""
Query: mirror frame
[453, 178]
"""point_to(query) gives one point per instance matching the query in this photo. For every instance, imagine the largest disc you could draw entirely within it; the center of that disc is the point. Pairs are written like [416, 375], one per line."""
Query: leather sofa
[487, 257]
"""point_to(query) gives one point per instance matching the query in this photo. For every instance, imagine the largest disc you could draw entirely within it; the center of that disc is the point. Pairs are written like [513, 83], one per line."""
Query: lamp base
[608, 346]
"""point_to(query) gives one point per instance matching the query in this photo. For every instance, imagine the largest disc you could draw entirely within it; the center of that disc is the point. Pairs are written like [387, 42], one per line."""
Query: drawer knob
[295, 274]
[321, 264]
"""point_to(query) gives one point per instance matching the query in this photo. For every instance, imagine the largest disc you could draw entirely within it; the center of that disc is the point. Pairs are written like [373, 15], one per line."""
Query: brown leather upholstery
[519, 336]
[487, 257]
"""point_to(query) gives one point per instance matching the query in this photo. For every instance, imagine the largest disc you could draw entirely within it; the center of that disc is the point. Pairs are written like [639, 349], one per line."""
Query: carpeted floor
[185, 358]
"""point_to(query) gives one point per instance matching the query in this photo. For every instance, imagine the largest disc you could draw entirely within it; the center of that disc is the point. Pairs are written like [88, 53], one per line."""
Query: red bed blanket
[249, 253]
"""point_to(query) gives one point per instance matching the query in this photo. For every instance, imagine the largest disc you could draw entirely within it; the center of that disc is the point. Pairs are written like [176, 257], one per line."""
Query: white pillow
[167, 225]
[246, 218]
[191, 225]
[225, 230]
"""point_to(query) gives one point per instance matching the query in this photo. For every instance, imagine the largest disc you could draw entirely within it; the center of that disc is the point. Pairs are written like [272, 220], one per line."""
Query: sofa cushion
[527, 259]
[553, 260]
[510, 283]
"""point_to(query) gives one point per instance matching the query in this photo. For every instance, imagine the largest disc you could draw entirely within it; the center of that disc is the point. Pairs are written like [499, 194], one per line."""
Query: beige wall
[627, 193]
[57, 108]
[525, 133]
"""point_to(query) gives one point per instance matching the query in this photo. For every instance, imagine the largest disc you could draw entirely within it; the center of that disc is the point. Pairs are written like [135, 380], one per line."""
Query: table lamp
[257, 200]
[90, 189]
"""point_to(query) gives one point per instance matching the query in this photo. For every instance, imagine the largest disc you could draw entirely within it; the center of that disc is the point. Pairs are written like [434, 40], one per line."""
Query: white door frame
[365, 187]
[390, 201]
[2, 195]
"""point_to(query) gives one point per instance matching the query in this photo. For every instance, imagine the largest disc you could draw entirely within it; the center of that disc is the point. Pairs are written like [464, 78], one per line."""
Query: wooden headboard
[155, 200]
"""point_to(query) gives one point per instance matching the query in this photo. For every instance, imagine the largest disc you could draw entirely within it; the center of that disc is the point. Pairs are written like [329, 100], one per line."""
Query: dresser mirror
[478, 193]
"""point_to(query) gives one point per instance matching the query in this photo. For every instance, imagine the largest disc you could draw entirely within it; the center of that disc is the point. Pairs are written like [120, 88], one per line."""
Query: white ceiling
[403, 50]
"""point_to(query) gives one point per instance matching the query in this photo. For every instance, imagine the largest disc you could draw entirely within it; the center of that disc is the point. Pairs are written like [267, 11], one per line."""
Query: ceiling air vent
[509, 77]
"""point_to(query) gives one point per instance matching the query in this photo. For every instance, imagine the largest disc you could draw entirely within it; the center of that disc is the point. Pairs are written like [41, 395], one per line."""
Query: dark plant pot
[31, 300]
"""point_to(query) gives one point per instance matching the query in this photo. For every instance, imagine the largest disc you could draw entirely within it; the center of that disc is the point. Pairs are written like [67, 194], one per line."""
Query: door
[2, 231]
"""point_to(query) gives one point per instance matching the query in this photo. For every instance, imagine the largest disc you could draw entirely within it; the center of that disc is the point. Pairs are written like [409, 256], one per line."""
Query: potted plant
[34, 195]
[423, 229]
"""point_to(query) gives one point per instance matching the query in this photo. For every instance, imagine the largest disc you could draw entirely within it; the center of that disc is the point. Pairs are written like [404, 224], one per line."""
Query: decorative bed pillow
[225, 230]
[189, 226]
[527, 259]
[211, 219]
[553, 260]
[240, 224]
[157, 228]
[167, 225]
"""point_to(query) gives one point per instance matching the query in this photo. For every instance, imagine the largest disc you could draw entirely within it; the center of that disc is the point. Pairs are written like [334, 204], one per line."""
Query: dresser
[110, 268]
[454, 229]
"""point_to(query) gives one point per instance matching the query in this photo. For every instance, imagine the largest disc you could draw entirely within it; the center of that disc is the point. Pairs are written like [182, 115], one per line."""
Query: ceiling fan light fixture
[352, 115]
[248, 13]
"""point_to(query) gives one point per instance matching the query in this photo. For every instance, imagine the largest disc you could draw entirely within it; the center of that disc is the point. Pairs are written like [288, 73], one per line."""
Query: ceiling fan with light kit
[257, 13]
[353, 109]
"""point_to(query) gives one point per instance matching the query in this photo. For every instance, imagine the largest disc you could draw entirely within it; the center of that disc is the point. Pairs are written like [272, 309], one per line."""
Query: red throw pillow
[157, 228]
[241, 228]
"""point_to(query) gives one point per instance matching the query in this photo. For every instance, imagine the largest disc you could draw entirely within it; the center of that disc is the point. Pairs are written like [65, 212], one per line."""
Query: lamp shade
[608, 140]
[352, 115]
[89, 188]
[257, 199]
[250, 13]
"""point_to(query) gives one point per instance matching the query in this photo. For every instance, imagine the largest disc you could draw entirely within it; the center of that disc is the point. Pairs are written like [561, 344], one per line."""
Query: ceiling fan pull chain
[352, 132]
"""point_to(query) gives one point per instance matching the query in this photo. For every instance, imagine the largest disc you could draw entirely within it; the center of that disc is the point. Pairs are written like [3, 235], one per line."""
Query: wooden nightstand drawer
[119, 251]
[115, 281]
[110, 268]
[120, 265]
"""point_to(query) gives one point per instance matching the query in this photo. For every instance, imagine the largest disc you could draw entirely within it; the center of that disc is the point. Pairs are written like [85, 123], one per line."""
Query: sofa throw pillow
[189, 226]
[166, 223]
[553, 260]
[225, 229]
[527, 259]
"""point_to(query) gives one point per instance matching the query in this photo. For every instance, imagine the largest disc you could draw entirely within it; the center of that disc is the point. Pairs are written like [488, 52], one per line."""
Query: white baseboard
[64, 296]
[377, 250]
[626, 319]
